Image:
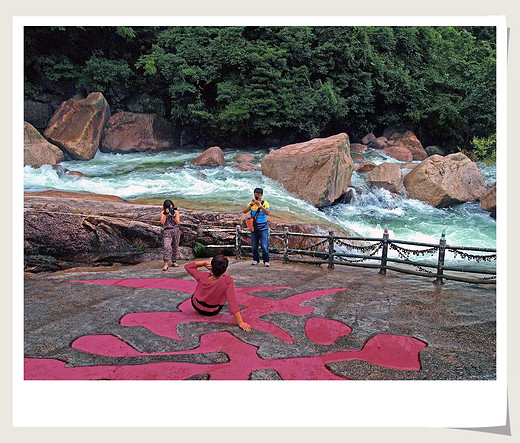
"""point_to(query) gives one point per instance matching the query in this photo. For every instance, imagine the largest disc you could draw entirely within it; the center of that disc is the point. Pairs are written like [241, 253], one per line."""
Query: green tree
[250, 83]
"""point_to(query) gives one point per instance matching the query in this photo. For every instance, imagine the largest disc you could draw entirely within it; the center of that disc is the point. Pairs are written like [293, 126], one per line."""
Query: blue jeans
[262, 237]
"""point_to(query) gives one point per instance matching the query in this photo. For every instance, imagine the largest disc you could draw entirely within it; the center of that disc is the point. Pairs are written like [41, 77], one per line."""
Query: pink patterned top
[212, 293]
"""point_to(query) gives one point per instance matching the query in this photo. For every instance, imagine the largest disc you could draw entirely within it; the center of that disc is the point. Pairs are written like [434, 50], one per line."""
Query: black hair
[259, 191]
[219, 265]
[167, 204]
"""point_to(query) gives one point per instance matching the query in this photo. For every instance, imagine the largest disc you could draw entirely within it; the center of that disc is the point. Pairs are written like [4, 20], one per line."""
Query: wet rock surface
[456, 321]
[132, 132]
[210, 157]
[444, 181]
[318, 170]
[77, 126]
[37, 151]
[64, 230]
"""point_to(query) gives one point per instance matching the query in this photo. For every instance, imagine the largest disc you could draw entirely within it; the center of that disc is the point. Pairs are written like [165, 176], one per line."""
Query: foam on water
[172, 175]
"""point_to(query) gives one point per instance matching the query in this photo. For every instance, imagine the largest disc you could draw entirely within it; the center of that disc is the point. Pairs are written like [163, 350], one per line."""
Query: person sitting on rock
[170, 219]
[260, 210]
[214, 288]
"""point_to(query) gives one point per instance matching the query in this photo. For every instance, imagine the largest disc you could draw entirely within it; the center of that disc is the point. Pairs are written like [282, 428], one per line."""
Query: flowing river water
[154, 177]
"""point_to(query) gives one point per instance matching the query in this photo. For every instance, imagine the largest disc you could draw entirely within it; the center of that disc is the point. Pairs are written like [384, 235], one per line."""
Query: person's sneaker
[255, 262]
[267, 264]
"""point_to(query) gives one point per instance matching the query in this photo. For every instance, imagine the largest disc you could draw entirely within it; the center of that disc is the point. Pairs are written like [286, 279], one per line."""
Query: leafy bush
[107, 76]
[484, 149]
[199, 249]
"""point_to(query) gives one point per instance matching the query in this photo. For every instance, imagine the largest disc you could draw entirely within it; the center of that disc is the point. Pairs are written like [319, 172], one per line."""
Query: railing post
[238, 243]
[285, 244]
[440, 261]
[331, 250]
[384, 252]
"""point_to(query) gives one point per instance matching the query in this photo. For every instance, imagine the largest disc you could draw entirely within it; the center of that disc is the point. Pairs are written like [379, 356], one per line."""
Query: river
[153, 177]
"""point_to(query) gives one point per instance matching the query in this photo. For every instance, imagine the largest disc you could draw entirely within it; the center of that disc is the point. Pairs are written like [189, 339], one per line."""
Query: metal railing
[377, 253]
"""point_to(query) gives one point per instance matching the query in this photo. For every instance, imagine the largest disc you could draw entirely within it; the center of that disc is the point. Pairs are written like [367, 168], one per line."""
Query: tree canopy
[291, 83]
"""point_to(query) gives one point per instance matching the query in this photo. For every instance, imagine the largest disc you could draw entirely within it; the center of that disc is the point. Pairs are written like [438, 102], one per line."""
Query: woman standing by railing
[170, 220]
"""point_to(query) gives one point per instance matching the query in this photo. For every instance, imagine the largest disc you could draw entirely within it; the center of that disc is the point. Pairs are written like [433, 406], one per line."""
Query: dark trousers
[260, 237]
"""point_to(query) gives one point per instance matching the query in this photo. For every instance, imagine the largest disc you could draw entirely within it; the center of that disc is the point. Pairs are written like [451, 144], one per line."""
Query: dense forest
[268, 85]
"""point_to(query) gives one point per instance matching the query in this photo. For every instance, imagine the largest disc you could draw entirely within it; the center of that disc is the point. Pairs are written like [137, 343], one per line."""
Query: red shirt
[213, 292]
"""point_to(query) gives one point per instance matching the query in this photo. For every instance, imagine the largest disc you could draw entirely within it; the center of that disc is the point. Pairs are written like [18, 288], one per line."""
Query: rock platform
[309, 322]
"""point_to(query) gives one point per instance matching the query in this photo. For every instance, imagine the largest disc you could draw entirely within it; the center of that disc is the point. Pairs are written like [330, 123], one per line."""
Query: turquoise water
[138, 176]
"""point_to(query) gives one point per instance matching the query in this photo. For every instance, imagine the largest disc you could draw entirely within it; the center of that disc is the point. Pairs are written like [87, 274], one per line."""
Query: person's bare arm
[242, 323]
[262, 208]
[248, 207]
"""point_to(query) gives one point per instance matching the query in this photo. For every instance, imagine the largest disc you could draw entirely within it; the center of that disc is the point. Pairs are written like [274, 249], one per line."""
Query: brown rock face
[408, 140]
[368, 138]
[247, 166]
[245, 158]
[357, 147]
[210, 157]
[64, 171]
[357, 158]
[37, 151]
[245, 163]
[387, 176]
[489, 200]
[399, 153]
[77, 126]
[365, 167]
[443, 181]
[131, 132]
[37, 113]
[106, 229]
[318, 171]
[378, 143]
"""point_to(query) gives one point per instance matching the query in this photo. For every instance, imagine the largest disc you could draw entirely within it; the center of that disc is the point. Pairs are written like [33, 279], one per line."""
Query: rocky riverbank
[65, 230]
[135, 322]
[318, 171]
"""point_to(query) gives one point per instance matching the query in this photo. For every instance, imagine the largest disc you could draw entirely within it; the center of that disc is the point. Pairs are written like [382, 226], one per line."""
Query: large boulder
[444, 181]
[388, 176]
[378, 143]
[399, 153]
[37, 113]
[37, 151]
[131, 132]
[408, 140]
[210, 157]
[368, 138]
[489, 201]
[318, 171]
[365, 167]
[77, 126]
[358, 147]
[245, 162]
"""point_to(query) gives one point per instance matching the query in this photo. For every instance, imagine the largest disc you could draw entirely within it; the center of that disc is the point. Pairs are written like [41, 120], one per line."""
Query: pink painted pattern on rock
[392, 351]
[165, 323]
[398, 352]
[324, 331]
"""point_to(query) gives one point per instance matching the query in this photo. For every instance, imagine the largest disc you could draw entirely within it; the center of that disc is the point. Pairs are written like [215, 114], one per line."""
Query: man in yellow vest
[261, 233]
